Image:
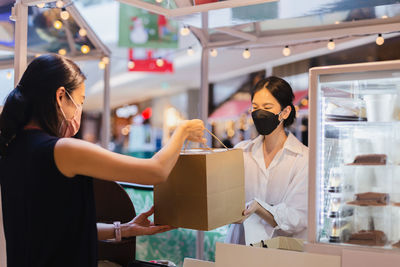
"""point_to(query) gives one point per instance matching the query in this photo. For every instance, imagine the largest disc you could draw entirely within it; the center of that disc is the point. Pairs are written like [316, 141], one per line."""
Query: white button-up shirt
[281, 189]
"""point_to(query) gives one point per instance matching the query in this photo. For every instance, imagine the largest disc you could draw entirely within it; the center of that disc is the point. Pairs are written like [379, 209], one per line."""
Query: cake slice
[369, 238]
[371, 199]
[370, 159]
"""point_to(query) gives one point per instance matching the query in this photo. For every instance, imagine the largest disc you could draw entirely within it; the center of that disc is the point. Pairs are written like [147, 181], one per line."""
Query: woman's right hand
[194, 130]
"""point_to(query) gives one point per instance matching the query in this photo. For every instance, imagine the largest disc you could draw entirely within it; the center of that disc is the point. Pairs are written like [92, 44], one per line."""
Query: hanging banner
[140, 28]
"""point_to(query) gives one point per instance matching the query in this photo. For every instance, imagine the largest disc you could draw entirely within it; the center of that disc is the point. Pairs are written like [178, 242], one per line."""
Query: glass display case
[355, 155]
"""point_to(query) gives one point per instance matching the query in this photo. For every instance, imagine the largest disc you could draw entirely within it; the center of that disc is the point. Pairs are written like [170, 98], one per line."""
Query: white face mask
[69, 127]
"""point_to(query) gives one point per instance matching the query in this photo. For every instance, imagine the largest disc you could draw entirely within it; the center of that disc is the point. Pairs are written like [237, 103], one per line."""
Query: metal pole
[20, 15]
[204, 89]
[105, 126]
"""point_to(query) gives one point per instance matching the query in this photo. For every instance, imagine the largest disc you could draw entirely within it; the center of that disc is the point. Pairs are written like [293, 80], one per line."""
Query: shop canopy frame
[19, 14]
[229, 36]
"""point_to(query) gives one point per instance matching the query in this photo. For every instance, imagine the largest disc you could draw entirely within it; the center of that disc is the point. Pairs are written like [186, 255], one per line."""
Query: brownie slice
[370, 159]
[369, 238]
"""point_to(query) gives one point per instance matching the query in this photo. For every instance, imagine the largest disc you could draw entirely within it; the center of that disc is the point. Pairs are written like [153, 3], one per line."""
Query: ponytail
[15, 115]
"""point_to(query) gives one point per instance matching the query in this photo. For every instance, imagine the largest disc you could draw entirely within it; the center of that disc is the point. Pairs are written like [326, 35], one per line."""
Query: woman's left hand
[252, 208]
[141, 225]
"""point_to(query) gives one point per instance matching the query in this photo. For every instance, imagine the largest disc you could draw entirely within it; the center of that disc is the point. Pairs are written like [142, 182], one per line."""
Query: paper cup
[380, 107]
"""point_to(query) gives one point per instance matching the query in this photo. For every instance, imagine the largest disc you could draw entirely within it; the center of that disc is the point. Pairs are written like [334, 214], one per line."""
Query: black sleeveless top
[49, 219]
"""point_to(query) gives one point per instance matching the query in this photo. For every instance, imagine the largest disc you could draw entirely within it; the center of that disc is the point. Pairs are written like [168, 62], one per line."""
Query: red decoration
[200, 2]
[149, 64]
[146, 114]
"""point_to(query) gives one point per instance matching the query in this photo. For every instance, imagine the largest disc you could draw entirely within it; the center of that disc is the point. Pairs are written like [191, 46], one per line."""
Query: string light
[190, 51]
[62, 52]
[9, 75]
[286, 51]
[384, 16]
[213, 52]
[82, 32]
[41, 5]
[59, 4]
[37, 55]
[131, 64]
[331, 44]
[57, 24]
[64, 15]
[159, 1]
[185, 31]
[102, 65]
[85, 49]
[380, 40]
[106, 60]
[246, 54]
[159, 62]
[337, 22]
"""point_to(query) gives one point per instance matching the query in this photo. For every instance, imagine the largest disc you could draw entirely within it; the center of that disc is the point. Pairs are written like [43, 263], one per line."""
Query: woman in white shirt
[276, 169]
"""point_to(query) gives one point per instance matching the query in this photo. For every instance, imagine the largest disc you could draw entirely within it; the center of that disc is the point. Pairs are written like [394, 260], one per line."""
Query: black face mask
[266, 122]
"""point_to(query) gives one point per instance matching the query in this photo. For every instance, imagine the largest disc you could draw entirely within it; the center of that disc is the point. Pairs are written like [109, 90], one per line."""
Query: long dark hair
[282, 92]
[34, 98]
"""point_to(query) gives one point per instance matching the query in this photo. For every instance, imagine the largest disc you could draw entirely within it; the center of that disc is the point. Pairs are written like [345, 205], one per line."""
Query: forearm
[167, 157]
[105, 231]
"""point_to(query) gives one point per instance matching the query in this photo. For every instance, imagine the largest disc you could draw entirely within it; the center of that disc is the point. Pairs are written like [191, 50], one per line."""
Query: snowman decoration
[138, 33]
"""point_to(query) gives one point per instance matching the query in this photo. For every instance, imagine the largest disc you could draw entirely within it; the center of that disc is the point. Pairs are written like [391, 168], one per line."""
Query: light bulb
[160, 62]
[213, 52]
[9, 75]
[102, 65]
[380, 40]
[331, 44]
[82, 32]
[286, 51]
[246, 54]
[85, 49]
[62, 52]
[190, 51]
[59, 4]
[37, 55]
[131, 64]
[185, 31]
[41, 5]
[159, 1]
[106, 60]
[337, 22]
[64, 15]
[384, 16]
[57, 24]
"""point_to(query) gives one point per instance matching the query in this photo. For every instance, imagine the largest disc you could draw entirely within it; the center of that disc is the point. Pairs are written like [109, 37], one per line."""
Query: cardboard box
[204, 191]
[197, 263]
[240, 256]
[283, 242]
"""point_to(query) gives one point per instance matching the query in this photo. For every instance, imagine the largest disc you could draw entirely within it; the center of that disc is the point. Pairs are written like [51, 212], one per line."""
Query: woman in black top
[47, 193]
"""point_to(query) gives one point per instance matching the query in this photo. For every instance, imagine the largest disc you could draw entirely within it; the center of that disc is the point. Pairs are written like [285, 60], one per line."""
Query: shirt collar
[291, 144]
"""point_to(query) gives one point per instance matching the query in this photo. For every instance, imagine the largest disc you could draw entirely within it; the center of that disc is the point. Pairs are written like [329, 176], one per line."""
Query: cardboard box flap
[240, 256]
[197, 263]
[283, 242]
